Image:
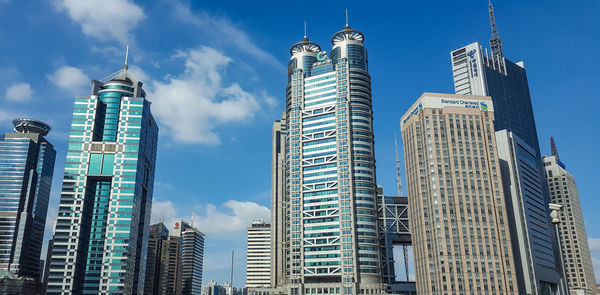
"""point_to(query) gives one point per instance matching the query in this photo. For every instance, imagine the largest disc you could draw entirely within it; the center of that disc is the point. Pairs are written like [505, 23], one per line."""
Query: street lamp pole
[555, 215]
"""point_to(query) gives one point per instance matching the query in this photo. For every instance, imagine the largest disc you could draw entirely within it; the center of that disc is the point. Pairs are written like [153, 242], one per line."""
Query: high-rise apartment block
[101, 233]
[573, 240]
[26, 167]
[258, 265]
[531, 234]
[192, 256]
[328, 187]
[163, 263]
[458, 218]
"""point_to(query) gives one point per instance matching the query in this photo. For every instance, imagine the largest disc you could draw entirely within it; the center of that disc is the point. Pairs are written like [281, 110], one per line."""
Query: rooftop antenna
[192, 219]
[495, 43]
[305, 29]
[398, 179]
[553, 148]
[232, 251]
[346, 17]
[125, 66]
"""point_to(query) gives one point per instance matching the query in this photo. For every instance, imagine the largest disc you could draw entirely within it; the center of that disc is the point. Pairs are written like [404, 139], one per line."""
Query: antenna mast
[346, 17]
[554, 149]
[232, 251]
[125, 66]
[398, 179]
[495, 43]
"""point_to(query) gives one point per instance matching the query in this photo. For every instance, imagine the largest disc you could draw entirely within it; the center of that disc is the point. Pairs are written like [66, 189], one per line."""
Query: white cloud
[225, 30]
[236, 217]
[138, 73]
[69, 78]
[192, 104]
[19, 92]
[103, 19]
[594, 244]
[163, 211]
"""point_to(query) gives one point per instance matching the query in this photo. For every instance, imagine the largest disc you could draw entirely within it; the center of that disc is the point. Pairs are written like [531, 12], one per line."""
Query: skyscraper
[573, 240]
[192, 257]
[278, 208]
[258, 264]
[101, 233]
[159, 234]
[476, 72]
[531, 234]
[26, 167]
[458, 219]
[331, 239]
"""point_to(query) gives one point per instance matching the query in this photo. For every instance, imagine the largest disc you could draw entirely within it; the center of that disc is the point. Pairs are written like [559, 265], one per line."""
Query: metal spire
[398, 179]
[305, 29]
[125, 66]
[495, 43]
[554, 149]
[346, 17]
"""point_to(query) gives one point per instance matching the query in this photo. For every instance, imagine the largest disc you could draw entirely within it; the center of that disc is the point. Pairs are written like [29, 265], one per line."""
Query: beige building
[258, 266]
[574, 245]
[457, 213]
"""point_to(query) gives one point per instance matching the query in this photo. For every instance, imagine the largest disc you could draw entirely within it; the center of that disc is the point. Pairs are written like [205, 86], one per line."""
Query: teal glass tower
[101, 233]
[26, 167]
[331, 236]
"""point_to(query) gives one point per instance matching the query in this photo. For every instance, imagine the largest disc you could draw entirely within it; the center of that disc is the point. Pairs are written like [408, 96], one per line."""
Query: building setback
[192, 256]
[258, 266]
[573, 239]
[26, 167]
[458, 219]
[101, 233]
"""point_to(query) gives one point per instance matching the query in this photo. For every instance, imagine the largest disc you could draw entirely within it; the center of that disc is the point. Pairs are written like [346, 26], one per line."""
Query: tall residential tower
[101, 233]
[26, 167]
[331, 234]
[457, 212]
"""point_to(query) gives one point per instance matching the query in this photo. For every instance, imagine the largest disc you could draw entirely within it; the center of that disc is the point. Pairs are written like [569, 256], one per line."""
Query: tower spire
[305, 29]
[347, 17]
[125, 66]
[495, 43]
[398, 179]
[553, 148]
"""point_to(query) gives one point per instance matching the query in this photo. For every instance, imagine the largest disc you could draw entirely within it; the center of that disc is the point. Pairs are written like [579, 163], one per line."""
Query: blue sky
[216, 74]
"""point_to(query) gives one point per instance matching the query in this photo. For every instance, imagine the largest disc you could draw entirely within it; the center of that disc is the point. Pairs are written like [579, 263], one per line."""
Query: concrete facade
[258, 265]
[458, 219]
[573, 239]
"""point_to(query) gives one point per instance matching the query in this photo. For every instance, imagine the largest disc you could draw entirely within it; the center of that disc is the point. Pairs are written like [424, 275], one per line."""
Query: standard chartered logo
[322, 56]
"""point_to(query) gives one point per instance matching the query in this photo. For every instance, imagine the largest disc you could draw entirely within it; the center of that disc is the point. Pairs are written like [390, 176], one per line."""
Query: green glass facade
[101, 233]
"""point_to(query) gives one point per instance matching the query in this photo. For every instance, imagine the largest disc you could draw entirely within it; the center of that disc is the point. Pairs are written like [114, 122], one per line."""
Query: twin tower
[324, 184]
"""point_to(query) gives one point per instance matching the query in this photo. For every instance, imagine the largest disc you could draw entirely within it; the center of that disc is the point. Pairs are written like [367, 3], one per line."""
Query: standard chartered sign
[429, 102]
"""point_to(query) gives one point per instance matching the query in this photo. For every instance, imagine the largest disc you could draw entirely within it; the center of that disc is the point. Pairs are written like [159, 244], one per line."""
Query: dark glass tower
[476, 72]
[101, 233]
[26, 167]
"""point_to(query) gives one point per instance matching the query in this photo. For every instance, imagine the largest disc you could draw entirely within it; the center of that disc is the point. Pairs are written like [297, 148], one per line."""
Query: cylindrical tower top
[347, 33]
[305, 46]
[28, 125]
